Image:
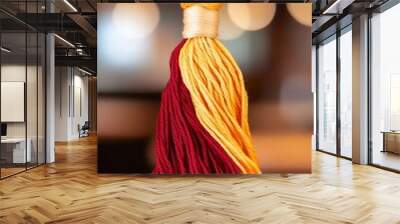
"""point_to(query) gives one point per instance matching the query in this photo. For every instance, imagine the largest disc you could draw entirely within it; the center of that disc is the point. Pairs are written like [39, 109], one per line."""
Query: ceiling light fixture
[84, 71]
[65, 41]
[79, 51]
[5, 50]
[337, 7]
[70, 5]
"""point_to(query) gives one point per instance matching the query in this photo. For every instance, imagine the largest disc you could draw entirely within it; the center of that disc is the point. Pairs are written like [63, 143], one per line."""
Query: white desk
[19, 155]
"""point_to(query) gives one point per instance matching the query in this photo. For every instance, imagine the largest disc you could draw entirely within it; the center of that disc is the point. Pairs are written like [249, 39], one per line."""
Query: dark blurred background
[272, 45]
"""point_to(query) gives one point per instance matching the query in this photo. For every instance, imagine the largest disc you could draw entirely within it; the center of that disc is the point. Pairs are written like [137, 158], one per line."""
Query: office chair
[84, 130]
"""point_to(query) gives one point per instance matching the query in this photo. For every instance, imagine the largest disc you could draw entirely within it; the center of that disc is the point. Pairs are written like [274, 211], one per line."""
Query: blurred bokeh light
[251, 16]
[300, 12]
[135, 21]
[227, 29]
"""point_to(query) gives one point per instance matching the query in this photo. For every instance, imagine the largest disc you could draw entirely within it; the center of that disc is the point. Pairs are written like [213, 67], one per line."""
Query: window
[327, 96]
[385, 89]
[335, 74]
[346, 93]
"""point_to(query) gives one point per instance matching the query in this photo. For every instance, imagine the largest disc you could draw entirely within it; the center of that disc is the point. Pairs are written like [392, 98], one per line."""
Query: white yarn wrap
[200, 22]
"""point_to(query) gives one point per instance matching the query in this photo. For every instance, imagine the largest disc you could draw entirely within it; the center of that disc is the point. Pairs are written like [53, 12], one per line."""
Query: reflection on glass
[386, 89]
[327, 96]
[346, 94]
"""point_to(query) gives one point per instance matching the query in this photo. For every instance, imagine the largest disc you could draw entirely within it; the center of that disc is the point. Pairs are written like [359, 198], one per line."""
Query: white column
[63, 99]
[360, 90]
[50, 98]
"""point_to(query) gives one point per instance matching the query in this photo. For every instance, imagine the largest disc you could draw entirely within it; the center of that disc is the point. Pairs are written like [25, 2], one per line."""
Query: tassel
[183, 146]
[202, 125]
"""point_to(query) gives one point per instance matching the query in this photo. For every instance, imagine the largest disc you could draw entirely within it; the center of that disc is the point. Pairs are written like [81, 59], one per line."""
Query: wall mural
[233, 97]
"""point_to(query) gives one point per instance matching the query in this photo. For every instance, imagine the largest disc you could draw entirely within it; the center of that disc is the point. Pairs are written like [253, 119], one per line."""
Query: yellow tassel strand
[216, 85]
[210, 6]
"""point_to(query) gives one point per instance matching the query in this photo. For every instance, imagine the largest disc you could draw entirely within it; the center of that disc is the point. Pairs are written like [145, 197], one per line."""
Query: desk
[391, 141]
[15, 148]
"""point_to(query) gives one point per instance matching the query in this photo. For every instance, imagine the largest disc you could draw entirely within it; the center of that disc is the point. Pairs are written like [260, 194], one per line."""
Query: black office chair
[84, 130]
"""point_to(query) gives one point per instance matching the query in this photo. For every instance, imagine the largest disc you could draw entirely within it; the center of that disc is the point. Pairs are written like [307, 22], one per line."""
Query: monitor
[3, 129]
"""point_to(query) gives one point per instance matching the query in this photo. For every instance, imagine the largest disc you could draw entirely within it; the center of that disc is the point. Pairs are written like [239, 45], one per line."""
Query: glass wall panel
[32, 95]
[385, 89]
[327, 96]
[22, 88]
[14, 153]
[346, 94]
[32, 86]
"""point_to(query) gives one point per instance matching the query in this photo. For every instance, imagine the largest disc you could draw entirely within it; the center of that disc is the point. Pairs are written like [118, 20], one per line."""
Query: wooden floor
[387, 159]
[5, 172]
[70, 191]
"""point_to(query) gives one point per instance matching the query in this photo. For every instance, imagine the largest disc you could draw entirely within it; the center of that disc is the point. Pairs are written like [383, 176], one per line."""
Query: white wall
[12, 73]
[80, 110]
[62, 81]
[71, 94]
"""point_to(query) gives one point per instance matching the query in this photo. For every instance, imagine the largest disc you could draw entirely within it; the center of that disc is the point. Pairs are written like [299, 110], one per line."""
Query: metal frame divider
[26, 87]
[338, 76]
[369, 77]
[37, 91]
[317, 97]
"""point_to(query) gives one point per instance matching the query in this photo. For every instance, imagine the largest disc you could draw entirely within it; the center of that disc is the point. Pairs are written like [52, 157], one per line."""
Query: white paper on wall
[12, 101]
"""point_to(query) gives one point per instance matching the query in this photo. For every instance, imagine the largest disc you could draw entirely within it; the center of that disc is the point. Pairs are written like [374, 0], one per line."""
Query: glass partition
[327, 96]
[22, 78]
[32, 95]
[14, 153]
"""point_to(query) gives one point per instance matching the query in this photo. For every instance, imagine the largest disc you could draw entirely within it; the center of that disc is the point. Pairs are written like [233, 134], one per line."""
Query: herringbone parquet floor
[70, 191]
